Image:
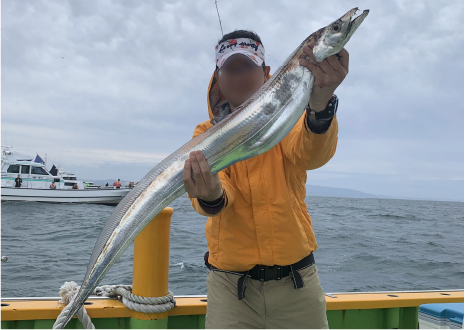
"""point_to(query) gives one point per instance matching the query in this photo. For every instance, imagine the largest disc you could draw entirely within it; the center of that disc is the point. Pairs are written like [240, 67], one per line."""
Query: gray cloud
[115, 86]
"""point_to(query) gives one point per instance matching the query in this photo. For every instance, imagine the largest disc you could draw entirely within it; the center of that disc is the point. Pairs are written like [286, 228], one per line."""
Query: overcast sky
[109, 88]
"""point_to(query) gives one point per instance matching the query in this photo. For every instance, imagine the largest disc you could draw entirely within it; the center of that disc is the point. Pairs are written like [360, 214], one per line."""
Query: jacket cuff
[211, 211]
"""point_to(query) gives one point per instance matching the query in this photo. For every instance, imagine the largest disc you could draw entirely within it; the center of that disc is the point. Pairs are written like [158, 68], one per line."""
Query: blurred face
[239, 78]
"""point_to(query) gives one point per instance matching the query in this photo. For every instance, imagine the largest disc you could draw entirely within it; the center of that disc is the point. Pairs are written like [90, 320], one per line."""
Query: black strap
[297, 278]
[205, 258]
[241, 286]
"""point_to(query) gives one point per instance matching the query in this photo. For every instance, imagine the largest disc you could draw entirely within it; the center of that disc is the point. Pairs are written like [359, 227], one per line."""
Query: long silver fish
[253, 128]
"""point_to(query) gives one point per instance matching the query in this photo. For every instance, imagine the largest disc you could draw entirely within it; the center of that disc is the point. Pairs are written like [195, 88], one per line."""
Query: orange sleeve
[224, 175]
[309, 150]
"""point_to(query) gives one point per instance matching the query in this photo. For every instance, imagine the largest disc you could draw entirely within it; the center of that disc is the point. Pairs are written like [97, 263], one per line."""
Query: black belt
[266, 273]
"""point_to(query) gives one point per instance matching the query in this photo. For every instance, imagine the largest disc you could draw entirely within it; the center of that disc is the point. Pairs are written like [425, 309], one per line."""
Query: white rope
[69, 290]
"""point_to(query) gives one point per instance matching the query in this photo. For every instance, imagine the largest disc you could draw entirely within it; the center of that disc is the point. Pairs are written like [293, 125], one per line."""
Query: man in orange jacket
[259, 233]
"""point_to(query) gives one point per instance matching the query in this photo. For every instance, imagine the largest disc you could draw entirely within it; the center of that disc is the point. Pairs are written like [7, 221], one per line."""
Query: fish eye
[336, 27]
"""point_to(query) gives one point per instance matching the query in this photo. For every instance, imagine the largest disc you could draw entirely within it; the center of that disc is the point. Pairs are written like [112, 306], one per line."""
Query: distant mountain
[313, 190]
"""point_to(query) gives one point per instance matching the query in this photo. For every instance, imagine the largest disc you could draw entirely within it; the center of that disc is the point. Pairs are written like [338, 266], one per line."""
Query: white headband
[248, 47]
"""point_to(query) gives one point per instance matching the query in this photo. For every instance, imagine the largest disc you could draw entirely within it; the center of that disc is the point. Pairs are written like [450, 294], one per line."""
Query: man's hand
[204, 185]
[328, 74]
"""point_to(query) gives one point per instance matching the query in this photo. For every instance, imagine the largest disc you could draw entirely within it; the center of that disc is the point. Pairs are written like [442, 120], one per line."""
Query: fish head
[331, 39]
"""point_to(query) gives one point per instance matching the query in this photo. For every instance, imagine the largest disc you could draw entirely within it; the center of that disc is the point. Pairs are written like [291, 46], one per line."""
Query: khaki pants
[272, 304]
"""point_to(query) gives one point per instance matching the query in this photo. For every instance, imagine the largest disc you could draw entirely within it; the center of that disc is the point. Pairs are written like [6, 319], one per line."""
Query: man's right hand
[204, 185]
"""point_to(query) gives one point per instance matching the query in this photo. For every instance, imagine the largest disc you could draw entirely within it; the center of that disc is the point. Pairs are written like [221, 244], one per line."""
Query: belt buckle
[261, 273]
[279, 274]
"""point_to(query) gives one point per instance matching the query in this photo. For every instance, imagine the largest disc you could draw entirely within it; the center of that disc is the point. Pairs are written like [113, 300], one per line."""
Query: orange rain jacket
[265, 220]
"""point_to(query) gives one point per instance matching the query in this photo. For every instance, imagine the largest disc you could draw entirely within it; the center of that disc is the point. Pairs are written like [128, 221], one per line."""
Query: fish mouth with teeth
[331, 39]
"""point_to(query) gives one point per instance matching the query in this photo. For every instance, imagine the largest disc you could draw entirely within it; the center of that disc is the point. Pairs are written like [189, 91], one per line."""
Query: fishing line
[219, 18]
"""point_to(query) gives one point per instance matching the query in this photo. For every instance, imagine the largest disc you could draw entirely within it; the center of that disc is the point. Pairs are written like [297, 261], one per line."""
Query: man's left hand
[328, 74]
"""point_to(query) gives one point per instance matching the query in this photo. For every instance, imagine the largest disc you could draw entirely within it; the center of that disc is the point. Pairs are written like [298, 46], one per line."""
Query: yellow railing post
[151, 266]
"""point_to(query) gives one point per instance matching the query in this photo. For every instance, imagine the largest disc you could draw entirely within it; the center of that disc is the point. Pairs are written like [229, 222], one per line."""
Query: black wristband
[216, 202]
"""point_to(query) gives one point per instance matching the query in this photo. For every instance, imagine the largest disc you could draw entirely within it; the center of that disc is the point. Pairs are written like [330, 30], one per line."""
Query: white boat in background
[36, 181]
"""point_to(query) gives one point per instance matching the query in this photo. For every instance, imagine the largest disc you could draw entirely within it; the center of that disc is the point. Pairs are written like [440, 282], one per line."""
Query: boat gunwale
[205, 296]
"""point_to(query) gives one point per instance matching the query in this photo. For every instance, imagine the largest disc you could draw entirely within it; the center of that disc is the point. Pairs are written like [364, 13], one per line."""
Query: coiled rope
[69, 290]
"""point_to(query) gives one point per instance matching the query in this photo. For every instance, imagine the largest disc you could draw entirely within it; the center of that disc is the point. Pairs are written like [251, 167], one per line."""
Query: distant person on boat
[259, 233]
[118, 184]
[107, 185]
[52, 186]
[75, 186]
[18, 182]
